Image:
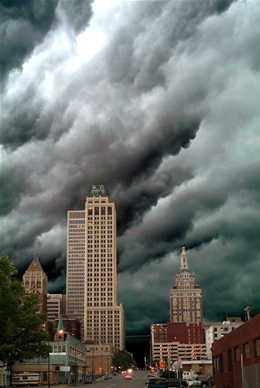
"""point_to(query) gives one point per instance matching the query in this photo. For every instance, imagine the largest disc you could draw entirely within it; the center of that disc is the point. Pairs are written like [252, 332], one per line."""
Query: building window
[246, 351]
[230, 364]
[257, 347]
[237, 354]
[217, 364]
[221, 365]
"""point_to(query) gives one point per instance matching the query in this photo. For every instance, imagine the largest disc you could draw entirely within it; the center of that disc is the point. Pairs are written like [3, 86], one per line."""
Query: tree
[123, 359]
[21, 334]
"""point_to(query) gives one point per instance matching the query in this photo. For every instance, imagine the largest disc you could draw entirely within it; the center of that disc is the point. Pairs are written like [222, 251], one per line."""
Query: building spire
[184, 261]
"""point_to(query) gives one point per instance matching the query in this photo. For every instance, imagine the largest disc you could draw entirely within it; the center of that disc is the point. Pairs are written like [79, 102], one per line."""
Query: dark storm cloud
[174, 21]
[158, 101]
[25, 23]
[78, 12]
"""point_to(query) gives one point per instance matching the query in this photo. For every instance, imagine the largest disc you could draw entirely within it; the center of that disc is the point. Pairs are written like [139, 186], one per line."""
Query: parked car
[191, 382]
[175, 382]
[128, 377]
[186, 374]
[107, 377]
[147, 380]
[157, 383]
[207, 382]
[88, 380]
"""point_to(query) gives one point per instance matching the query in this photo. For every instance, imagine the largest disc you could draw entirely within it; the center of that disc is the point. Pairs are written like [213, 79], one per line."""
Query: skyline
[159, 102]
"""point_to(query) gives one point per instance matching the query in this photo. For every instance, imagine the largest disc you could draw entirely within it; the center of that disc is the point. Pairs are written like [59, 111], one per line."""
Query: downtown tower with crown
[92, 270]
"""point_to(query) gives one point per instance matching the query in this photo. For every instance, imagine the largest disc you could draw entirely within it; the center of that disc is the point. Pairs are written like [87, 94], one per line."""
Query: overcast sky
[160, 102]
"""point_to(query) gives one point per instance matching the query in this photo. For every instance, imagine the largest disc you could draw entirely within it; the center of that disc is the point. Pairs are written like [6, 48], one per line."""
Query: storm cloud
[158, 101]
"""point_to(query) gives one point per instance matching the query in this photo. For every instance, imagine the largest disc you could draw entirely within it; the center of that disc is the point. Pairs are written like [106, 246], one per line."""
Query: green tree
[21, 334]
[123, 359]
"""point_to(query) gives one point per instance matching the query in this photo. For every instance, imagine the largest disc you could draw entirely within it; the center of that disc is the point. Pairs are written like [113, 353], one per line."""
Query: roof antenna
[247, 310]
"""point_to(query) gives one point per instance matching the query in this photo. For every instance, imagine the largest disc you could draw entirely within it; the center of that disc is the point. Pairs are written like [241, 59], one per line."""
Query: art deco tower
[185, 296]
[35, 281]
[92, 270]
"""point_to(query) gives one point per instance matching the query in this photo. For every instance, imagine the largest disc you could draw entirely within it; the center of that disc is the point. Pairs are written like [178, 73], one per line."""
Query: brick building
[190, 333]
[236, 357]
[71, 325]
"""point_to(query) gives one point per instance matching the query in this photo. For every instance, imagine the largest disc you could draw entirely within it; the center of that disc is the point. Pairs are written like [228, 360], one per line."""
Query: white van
[26, 379]
[189, 374]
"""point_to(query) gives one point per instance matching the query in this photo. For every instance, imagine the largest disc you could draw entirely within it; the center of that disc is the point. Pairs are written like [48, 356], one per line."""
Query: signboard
[64, 368]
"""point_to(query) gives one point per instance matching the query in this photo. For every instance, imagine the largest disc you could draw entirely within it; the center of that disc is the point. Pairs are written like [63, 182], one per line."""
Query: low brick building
[236, 357]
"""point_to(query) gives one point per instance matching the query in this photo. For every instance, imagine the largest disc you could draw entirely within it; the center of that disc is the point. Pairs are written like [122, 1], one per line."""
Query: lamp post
[75, 365]
[48, 377]
[93, 364]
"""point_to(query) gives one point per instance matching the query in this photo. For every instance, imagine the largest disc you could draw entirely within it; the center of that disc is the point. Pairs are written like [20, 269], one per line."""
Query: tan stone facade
[92, 271]
[185, 296]
[35, 281]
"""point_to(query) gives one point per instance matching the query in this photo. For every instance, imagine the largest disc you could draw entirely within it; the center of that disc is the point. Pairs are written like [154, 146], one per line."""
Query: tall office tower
[185, 296]
[92, 270]
[36, 281]
[56, 305]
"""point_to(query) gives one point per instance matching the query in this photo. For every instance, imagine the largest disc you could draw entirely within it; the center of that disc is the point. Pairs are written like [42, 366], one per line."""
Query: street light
[48, 370]
[75, 365]
[93, 364]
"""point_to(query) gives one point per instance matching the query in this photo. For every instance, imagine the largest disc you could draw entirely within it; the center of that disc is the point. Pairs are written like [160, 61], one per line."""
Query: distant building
[217, 330]
[183, 337]
[92, 270]
[56, 304]
[66, 364]
[236, 356]
[172, 351]
[99, 359]
[185, 296]
[172, 332]
[35, 281]
[71, 325]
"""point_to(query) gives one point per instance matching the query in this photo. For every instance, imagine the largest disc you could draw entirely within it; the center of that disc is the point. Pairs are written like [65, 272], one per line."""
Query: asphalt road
[138, 381]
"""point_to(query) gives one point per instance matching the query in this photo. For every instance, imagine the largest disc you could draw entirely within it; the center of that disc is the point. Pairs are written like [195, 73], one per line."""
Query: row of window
[235, 354]
[100, 210]
[103, 304]
[109, 246]
[33, 283]
[103, 322]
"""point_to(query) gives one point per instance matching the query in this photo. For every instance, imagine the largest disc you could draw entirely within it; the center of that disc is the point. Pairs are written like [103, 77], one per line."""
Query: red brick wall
[245, 333]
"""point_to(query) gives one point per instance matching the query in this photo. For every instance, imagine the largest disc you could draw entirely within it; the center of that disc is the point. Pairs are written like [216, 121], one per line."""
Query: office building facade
[217, 330]
[35, 281]
[56, 305]
[185, 295]
[92, 270]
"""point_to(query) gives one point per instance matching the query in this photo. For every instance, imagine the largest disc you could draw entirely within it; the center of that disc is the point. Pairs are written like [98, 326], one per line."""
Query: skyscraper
[92, 270]
[185, 296]
[35, 281]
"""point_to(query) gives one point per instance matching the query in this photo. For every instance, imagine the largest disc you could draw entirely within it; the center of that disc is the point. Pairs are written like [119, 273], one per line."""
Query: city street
[138, 381]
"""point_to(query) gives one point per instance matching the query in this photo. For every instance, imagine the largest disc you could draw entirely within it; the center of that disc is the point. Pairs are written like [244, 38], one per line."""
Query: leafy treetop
[123, 359]
[22, 333]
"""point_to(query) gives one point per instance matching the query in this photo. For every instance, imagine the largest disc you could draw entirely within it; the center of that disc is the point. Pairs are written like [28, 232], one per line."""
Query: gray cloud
[25, 23]
[158, 101]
